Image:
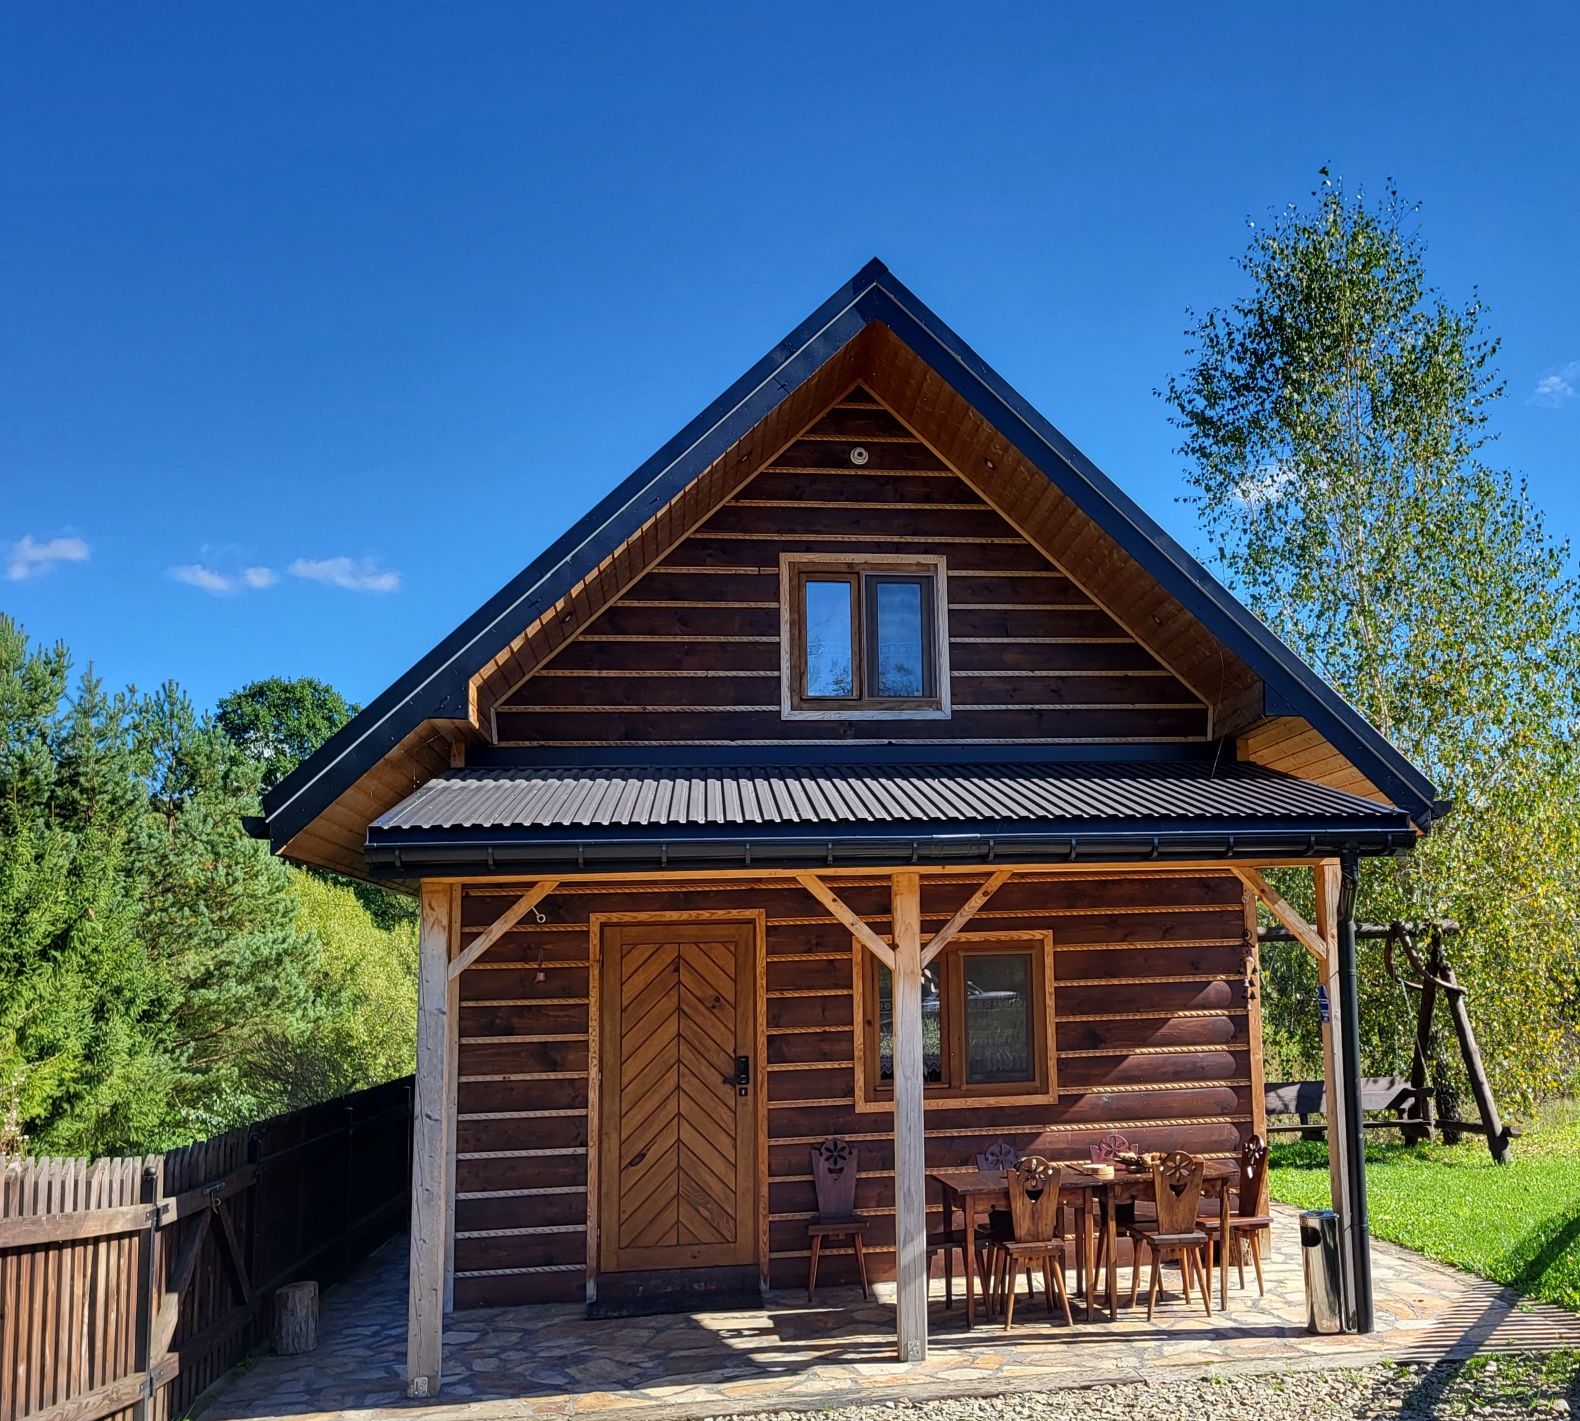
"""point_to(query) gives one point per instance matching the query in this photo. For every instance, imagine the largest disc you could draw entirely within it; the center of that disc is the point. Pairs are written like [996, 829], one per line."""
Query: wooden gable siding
[690, 654]
[669, 524]
[1052, 521]
[1288, 743]
[1155, 1034]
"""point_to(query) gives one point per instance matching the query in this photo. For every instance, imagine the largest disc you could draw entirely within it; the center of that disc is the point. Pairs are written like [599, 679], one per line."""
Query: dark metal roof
[565, 819]
[437, 686]
[835, 796]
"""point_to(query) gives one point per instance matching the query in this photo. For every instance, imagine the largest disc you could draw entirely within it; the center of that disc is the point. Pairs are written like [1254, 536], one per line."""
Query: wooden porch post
[910, 1142]
[431, 1138]
[1325, 877]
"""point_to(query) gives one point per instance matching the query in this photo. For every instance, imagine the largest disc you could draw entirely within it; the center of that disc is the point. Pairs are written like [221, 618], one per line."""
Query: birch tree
[1336, 427]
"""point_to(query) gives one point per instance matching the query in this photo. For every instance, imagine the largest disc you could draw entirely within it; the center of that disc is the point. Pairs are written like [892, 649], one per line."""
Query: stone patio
[551, 1361]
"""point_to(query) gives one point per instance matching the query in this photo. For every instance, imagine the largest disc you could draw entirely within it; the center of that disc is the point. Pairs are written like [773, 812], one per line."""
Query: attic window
[863, 638]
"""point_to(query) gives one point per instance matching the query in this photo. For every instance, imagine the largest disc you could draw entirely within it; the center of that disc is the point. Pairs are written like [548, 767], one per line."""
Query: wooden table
[974, 1192]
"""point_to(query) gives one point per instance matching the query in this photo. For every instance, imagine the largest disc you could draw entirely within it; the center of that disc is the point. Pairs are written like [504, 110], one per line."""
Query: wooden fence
[129, 1286]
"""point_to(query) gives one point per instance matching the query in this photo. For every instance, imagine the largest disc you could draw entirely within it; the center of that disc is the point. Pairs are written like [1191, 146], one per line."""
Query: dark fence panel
[129, 1286]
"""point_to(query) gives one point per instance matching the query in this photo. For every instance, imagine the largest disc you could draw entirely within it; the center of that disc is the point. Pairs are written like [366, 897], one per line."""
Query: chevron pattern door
[677, 1168]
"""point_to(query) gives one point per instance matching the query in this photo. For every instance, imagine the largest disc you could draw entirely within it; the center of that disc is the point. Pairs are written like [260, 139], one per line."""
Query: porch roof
[506, 818]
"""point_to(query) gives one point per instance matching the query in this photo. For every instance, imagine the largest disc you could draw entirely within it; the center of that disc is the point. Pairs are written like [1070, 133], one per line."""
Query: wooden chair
[1037, 1215]
[1106, 1151]
[1250, 1217]
[1109, 1148]
[834, 1165]
[1176, 1182]
[947, 1240]
[998, 1158]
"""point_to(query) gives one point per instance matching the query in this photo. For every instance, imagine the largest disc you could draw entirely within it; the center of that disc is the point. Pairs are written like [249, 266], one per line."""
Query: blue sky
[318, 322]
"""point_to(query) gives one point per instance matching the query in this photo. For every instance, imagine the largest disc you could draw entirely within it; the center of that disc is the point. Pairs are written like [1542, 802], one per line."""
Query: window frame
[873, 1094]
[795, 569]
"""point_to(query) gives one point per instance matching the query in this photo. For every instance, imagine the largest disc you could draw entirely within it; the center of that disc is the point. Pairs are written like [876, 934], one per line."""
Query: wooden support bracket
[1302, 931]
[502, 925]
[863, 934]
[968, 910]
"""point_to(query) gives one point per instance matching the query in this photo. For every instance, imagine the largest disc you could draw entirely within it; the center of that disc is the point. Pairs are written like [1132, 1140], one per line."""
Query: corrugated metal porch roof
[844, 797]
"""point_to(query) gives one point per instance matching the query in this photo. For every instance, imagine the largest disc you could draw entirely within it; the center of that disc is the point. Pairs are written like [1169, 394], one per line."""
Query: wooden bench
[1411, 1105]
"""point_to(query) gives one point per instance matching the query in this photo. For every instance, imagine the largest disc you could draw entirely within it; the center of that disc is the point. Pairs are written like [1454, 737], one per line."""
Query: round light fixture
[858, 456]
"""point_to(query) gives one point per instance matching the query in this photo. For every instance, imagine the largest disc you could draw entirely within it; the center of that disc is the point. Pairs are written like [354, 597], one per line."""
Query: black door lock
[742, 1079]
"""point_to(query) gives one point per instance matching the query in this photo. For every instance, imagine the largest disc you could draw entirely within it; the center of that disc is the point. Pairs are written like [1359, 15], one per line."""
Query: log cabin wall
[690, 654]
[1156, 1035]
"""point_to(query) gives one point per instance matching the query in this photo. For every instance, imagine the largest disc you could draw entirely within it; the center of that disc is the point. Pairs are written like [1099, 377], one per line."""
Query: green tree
[278, 723]
[219, 918]
[1335, 423]
[370, 972]
[74, 986]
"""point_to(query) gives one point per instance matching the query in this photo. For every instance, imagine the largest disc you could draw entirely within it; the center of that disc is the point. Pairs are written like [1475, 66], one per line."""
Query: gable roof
[440, 690]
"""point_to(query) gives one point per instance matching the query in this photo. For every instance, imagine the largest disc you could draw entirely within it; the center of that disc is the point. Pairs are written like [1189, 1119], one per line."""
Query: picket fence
[130, 1286]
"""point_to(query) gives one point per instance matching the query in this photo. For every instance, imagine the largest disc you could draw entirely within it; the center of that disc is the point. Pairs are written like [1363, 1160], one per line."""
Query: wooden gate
[678, 1140]
[129, 1286]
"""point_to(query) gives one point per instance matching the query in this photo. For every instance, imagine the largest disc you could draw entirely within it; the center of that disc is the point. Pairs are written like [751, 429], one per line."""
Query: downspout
[1360, 1260]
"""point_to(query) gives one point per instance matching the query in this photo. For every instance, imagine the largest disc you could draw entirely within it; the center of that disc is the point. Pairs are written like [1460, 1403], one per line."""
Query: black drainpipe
[1349, 1006]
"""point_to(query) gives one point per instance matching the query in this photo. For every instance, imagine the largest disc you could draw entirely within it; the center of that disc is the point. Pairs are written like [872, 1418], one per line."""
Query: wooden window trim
[872, 1095]
[794, 569]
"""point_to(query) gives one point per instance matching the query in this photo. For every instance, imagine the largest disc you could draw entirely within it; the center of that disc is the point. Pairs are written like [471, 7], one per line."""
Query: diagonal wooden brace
[502, 925]
[841, 911]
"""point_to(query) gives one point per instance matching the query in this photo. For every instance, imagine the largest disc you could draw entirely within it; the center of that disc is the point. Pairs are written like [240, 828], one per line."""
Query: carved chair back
[1034, 1201]
[1253, 1177]
[1176, 1183]
[834, 1176]
[1109, 1148]
[998, 1158]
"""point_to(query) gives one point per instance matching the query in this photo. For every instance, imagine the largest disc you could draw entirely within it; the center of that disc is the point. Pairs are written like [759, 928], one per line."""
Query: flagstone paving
[525, 1363]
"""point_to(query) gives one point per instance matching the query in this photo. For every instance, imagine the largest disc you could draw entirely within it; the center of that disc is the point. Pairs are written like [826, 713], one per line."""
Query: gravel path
[1536, 1385]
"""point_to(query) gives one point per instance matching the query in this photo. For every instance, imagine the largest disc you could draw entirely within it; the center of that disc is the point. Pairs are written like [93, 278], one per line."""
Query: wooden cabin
[865, 764]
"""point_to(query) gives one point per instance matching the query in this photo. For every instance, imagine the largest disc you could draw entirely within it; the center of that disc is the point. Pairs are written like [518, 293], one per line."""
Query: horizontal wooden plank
[526, 1172]
[33, 1230]
[486, 1290]
[1081, 726]
[859, 487]
[699, 655]
[517, 1057]
[701, 551]
[835, 454]
[483, 1136]
[845, 423]
[887, 521]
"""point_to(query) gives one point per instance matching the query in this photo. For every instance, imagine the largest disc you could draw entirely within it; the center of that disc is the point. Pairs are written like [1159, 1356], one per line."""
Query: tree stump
[296, 1319]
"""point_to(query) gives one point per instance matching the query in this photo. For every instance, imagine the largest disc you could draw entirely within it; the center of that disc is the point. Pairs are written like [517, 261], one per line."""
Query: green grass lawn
[1517, 1224]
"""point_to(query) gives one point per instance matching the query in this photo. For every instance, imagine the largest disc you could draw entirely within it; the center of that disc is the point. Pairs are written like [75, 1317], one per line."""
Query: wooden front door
[677, 1139]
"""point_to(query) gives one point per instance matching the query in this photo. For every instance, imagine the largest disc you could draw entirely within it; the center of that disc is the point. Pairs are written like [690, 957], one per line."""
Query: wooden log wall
[130, 1286]
[1156, 1036]
[691, 653]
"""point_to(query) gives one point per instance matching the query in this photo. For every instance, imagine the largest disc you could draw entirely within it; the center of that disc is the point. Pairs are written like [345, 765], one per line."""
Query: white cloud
[1557, 387]
[29, 557]
[223, 584]
[1268, 485]
[356, 574]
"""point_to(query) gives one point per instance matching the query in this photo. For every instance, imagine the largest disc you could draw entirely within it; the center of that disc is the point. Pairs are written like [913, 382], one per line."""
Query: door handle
[742, 1079]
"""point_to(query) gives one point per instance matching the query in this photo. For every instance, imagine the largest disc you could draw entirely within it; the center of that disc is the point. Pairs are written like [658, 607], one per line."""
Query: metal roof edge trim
[562, 856]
